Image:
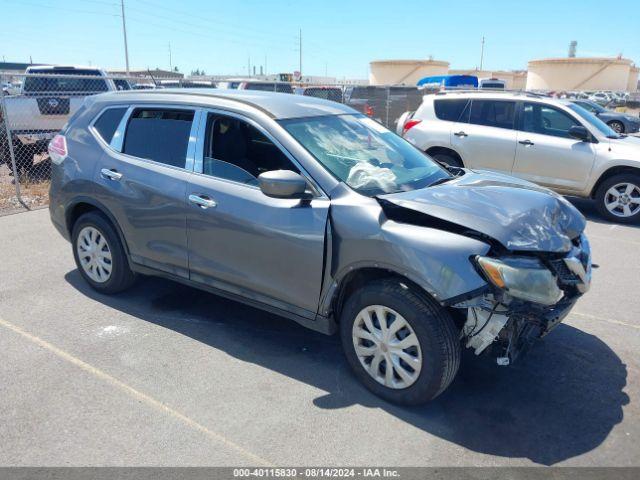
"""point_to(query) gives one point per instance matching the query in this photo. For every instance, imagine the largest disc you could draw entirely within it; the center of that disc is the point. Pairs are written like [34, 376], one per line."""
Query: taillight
[368, 110]
[58, 149]
[409, 125]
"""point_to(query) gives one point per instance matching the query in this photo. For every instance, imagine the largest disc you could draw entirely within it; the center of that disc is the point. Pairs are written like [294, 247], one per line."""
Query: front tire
[618, 198]
[401, 344]
[100, 255]
[616, 126]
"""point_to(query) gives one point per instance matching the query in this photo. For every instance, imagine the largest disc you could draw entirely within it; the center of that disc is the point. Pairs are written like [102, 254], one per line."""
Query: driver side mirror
[282, 184]
[579, 133]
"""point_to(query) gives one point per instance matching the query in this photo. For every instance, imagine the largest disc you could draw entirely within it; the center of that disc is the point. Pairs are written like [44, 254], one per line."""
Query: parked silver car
[309, 209]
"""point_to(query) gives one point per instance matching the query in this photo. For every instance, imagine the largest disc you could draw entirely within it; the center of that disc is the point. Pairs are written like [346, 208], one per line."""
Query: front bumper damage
[505, 327]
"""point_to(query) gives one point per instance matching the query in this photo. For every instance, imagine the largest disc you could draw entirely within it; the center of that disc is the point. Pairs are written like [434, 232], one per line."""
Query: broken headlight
[522, 277]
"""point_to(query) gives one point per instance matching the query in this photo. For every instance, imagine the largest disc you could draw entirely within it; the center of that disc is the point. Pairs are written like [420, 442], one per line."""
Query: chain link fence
[35, 106]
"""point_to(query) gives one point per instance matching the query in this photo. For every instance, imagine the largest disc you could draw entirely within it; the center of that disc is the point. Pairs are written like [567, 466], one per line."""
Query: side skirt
[320, 323]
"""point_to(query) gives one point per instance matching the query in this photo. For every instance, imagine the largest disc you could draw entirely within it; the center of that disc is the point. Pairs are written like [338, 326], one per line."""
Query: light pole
[124, 32]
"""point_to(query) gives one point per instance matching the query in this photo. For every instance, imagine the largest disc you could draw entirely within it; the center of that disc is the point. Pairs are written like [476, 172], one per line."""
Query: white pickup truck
[48, 97]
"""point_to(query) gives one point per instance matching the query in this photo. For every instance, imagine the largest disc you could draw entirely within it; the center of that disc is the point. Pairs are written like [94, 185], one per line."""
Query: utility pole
[481, 53]
[170, 63]
[124, 32]
[300, 49]
[265, 64]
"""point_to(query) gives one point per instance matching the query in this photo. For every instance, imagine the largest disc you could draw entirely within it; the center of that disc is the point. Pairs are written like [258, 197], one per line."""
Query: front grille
[565, 276]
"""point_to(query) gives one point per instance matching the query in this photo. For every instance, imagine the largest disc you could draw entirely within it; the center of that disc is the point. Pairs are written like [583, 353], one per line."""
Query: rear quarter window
[450, 109]
[108, 122]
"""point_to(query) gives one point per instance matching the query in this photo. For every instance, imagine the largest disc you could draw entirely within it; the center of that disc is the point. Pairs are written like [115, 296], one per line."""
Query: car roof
[497, 95]
[276, 105]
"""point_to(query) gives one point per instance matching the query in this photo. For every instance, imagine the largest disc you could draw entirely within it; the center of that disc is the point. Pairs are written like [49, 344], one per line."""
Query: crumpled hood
[518, 214]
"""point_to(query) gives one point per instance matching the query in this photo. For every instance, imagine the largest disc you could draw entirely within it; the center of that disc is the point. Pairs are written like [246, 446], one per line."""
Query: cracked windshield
[365, 155]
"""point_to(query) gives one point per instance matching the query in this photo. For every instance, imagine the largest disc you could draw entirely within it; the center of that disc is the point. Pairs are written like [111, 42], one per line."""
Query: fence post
[388, 105]
[16, 180]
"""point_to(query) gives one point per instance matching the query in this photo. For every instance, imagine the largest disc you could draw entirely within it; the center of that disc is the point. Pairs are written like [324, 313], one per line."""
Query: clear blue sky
[341, 36]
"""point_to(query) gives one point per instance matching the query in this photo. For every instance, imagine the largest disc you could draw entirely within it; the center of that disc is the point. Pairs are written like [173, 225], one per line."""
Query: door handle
[460, 134]
[111, 174]
[528, 143]
[202, 201]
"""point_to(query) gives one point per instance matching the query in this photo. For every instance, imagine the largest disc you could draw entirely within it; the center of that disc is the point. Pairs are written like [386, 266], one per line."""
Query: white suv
[551, 142]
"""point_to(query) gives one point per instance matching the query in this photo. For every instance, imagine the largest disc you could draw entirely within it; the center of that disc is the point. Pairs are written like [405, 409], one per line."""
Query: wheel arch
[352, 278]
[431, 151]
[81, 205]
[610, 172]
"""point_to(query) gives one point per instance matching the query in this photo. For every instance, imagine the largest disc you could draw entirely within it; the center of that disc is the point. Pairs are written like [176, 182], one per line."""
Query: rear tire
[429, 365]
[618, 198]
[100, 255]
[448, 159]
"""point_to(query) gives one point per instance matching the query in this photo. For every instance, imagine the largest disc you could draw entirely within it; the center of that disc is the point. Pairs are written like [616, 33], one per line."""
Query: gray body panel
[283, 255]
[271, 247]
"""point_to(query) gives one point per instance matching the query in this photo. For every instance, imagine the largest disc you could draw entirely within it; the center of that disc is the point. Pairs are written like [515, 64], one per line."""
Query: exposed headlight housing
[522, 277]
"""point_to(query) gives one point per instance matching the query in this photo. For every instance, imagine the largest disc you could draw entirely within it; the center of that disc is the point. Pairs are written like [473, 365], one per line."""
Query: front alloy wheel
[623, 199]
[399, 342]
[618, 198]
[387, 347]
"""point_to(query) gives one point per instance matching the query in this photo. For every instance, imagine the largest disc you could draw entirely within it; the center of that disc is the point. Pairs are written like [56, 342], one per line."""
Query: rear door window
[493, 113]
[450, 109]
[108, 122]
[161, 135]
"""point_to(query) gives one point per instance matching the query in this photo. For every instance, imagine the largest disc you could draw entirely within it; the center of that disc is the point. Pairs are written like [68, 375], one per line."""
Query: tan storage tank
[632, 84]
[516, 79]
[579, 74]
[404, 72]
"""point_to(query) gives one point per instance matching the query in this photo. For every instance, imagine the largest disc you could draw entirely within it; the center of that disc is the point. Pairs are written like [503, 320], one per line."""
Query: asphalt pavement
[167, 375]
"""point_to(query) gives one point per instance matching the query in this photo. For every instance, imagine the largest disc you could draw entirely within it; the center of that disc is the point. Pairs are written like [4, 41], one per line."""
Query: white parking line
[603, 319]
[138, 395]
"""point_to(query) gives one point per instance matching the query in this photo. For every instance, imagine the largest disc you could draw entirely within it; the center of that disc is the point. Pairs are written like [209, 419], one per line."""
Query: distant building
[157, 74]
[15, 67]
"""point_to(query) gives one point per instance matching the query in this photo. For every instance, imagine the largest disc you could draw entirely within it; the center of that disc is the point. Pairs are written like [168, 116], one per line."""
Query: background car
[551, 142]
[619, 122]
[600, 98]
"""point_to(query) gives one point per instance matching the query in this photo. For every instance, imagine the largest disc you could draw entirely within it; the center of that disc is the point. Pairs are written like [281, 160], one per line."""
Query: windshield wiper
[440, 181]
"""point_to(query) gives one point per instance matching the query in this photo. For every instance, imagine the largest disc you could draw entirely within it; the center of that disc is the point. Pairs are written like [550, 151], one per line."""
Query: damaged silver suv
[308, 209]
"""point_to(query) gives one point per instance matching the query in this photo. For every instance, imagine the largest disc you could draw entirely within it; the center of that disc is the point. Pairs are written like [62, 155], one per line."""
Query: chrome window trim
[94, 131]
[318, 192]
[117, 142]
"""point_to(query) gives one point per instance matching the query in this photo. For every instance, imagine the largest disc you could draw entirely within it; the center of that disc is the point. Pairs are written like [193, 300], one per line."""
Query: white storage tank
[575, 73]
[404, 72]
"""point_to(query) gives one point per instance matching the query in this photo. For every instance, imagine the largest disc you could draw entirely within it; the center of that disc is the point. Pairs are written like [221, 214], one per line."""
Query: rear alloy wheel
[399, 342]
[100, 255]
[618, 198]
[616, 126]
